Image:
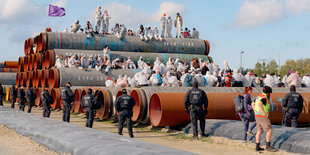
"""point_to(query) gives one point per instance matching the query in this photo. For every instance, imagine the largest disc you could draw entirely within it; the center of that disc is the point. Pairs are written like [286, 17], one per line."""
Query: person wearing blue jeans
[248, 114]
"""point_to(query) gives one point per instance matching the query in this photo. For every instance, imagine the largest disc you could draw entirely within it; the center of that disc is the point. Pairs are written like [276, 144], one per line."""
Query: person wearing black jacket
[124, 106]
[292, 105]
[30, 97]
[89, 102]
[68, 97]
[46, 100]
[194, 99]
[21, 98]
[13, 95]
[1, 94]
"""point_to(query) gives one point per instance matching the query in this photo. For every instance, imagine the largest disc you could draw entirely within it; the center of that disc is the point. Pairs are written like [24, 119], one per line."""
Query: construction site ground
[177, 140]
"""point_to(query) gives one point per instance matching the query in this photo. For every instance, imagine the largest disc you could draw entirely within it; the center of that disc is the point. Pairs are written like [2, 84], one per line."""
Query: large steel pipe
[1, 64]
[78, 77]
[21, 64]
[26, 63]
[77, 101]
[104, 98]
[26, 47]
[18, 76]
[53, 40]
[8, 70]
[55, 93]
[51, 55]
[30, 46]
[10, 64]
[44, 78]
[23, 78]
[8, 78]
[37, 78]
[31, 62]
[29, 79]
[37, 63]
[38, 99]
[167, 109]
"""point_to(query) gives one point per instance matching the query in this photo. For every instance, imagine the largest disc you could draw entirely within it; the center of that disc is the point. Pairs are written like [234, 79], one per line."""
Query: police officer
[89, 102]
[68, 97]
[21, 98]
[46, 100]
[13, 95]
[1, 94]
[124, 105]
[193, 101]
[30, 97]
[292, 105]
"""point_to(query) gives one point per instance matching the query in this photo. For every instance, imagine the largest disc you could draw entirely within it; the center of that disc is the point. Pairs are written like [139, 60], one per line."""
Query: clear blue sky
[260, 28]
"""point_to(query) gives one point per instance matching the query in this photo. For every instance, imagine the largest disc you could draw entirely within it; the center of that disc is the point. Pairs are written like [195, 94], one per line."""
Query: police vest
[195, 97]
[125, 102]
[266, 107]
[87, 101]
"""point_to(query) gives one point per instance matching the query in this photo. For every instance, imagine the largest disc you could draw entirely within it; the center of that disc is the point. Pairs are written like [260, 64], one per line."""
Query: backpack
[188, 81]
[239, 103]
[97, 105]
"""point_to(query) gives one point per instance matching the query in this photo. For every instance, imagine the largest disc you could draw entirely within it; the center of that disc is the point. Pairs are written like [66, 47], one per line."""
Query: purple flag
[56, 11]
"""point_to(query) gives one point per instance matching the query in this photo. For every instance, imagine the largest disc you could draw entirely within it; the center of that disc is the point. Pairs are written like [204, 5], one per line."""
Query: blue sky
[260, 28]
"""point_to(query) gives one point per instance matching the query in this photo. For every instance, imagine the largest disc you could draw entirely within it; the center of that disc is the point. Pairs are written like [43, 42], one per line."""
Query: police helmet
[267, 89]
[89, 91]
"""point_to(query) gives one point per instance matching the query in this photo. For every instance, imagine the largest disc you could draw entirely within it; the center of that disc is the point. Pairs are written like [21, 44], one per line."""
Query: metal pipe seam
[52, 40]
[21, 64]
[10, 64]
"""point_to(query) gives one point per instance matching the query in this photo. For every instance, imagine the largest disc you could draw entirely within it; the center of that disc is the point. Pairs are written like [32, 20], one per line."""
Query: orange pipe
[23, 79]
[30, 46]
[17, 79]
[103, 112]
[26, 47]
[44, 78]
[167, 109]
[30, 63]
[10, 64]
[49, 59]
[207, 47]
[77, 97]
[21, 64]
[38, 99]
[10, 70]
[53, 78]
[138, 108]
[37, 78]
[37, 61]
[26, 63]
[55, 93]
[29, 78]
[41, 45]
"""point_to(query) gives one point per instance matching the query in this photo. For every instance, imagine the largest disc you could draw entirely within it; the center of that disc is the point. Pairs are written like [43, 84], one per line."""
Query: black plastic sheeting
[296, 140]
[69, 138]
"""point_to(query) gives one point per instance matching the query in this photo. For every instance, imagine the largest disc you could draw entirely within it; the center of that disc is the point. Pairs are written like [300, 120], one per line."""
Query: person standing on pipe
[124, 106]
[261, 109]
[89, 102]
[163, 25]
[178, 23]
[292, 105]
[13, 94]
[1, 94]
[169, 28]
[46, 100]
[68, 97]
[30, 97]
[21, 98]
[98, 18]
[193, 101]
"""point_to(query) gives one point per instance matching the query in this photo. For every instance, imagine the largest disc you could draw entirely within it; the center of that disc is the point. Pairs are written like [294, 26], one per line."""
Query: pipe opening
[100, 99]
[76, 106]
[55, 93]
[155, 110]
[137, 108]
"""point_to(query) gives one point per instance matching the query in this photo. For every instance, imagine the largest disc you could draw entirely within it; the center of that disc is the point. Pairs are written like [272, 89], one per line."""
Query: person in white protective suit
[306, 80]
[75, 26]
[176, 63]
[60, 62]
[142, 79]
[169, 64]
[163, 25]
[210, 80]
[106, 53]
[89, 29]
[115, 29]
[200, 80]
[249, 80]
[122, 33]
[178, 23]
[285, 78]
[84, 62]
[148, 33]
[109, 66]
[119, 80]
[157, 61]
[276, 80]
[181, 67]
[195, 34]
[98, 63]
[165, 78]
[141, 63]
[226, 66]
[65, 30]
[173, 80]
[106, 21]
[141, 32]
[147, 70]
[293, 79]
[169, 28]
[131, 64]
[269, 81]
[74, 62]
[109, 82]
[163, 69]
[132, 82]
[237, 78]
[124, 82]
[156, 34]
[98, 18]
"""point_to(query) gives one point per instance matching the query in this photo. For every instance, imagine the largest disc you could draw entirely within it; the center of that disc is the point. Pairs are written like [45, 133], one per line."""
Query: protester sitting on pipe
[89, 29]
[60, 63]
[156, 34]
[115, 29]
[195, 34]
[75, 26]
[141, 32]
[131, 64]
[109, 82]
[122, 33]
[74, 62]
[148, 33]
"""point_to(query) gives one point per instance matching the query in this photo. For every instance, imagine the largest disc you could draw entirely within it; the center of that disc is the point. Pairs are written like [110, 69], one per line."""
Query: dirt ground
[12, 143]
[211, 145]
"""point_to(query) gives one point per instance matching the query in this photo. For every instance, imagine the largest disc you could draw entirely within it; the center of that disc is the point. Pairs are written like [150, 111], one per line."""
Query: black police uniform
[89, 102]
[293, 105]
[193, 101]
[1, 95]
[30, 97]
[21, 99]
[124, 105]
[68, 97]
[46, 100]
[13, 94]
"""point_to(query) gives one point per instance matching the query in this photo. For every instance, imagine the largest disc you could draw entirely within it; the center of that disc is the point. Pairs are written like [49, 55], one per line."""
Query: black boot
[258, 148]
[270, 148]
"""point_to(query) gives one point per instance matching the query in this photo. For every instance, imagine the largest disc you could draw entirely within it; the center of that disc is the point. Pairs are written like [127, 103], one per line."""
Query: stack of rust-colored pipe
[9, 66]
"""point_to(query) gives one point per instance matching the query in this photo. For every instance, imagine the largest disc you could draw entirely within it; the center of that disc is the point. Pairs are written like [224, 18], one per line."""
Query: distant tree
[272, 67]
[258, 69]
